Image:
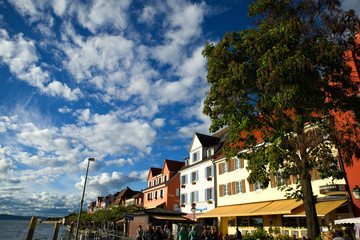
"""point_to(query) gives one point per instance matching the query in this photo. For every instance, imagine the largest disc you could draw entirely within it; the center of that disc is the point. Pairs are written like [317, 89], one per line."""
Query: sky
[116, 80]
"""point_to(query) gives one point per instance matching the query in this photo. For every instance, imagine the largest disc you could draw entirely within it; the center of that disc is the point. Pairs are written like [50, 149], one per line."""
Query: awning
[171, 218]
[322, 208]
[279, 207]
[154, 205]
[234, 210]
[347, 220]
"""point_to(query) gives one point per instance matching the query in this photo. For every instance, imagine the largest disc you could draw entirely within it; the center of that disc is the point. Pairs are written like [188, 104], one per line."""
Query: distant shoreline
[14, 217]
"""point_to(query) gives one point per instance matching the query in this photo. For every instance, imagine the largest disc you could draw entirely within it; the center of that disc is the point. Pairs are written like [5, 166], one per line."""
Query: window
[209, 194]
[237, 163]
[194, 176]
[194, 196]
[149, 184]
[184, 179]
[139, 200]
[209, 171]
[224, 168]
[210, 152]
[165, 178]
[183, 198]
[279, 180]
[257, 185]
[225, 189]
[149, 196]
[239, 187]
[162, 193]
[156, 194]
[159, 180]
[154, 182]
[196, 156]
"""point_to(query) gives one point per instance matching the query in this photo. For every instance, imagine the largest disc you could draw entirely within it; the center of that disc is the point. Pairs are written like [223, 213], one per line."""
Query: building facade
[163, 186]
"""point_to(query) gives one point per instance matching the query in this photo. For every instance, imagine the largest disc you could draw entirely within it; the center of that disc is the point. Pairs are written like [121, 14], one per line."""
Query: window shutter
[212, 193]
[272, 180]
[197, 196]
[229, 189]
[233, 186]
[251, 186]
[186, 179]
[228, 165]
[232, 165]
[212, 170]
[243, 190]
[221, 190]
[197, 175]
[241, 163]
[220, 169]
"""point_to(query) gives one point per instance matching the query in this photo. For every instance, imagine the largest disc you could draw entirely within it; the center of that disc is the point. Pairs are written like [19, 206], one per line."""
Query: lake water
[18, 229]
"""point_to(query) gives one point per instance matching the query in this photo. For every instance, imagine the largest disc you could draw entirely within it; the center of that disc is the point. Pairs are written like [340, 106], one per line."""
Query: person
[226, 237]
[212, 235]
[182, 233]
[238, 234]
[338, 235]
[219, 235]
[148, 232]
[157, 235]
[193, 234]
[140, 233]
[203, 234]
[166, 233]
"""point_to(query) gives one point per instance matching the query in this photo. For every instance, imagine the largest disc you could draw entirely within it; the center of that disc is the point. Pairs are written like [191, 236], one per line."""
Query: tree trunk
[312, 223]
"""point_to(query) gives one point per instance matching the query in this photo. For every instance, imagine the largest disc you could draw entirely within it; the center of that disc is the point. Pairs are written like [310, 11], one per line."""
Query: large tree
[278, 86]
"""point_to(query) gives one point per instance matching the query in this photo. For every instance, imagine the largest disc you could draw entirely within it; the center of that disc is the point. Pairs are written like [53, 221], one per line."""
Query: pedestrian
[148, 233]
[182, 234]
[212, 234]
[157, 235]
[140, 233]
[238, 234]
[203, 234]
[166, 233]
[219, 235]
[193, 234]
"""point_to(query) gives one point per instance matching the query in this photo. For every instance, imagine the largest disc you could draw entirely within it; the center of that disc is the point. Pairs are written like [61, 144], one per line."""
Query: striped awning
[322, 208]
[277, 207]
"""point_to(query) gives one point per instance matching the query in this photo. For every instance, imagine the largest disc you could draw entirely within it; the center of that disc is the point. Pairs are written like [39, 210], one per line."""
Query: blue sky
[120, 81]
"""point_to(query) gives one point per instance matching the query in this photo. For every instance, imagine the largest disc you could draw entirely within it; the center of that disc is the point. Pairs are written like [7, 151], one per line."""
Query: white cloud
[59, 6]
[105, 183]
[120, 162]
[65, 109]
[159, 122]
[21, 57]
[102, 13]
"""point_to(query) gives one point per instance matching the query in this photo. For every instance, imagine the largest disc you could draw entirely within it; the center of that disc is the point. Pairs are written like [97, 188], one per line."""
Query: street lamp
[82, 199]
[356, 192]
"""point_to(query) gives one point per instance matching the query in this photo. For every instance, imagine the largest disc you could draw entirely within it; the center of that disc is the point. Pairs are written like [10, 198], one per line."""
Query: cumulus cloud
[21, 56]
[106, 183]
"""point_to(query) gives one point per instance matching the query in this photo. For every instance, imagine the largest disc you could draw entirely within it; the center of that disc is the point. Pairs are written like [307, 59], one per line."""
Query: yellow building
[247, 206]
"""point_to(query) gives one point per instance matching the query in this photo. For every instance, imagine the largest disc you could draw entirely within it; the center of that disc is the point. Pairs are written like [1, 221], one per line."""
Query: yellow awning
[322, 208]
[234, 210]
[278, 207]
[154, 205]
[174, 218]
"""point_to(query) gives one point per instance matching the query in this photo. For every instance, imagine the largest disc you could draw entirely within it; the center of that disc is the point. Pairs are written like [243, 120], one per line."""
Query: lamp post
[82, 198]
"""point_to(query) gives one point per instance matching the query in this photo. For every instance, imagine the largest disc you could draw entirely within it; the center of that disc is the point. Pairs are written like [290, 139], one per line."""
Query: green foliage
[275, 84]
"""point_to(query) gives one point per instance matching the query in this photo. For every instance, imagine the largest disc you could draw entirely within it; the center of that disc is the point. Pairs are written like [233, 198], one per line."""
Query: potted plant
[193, 205]
[193, 183]
[209, 178]
[209, 202]
[182, 205]
[183, 186]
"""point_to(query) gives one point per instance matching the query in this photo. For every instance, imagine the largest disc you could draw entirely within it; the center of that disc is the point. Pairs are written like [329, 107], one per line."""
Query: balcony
[334, 189]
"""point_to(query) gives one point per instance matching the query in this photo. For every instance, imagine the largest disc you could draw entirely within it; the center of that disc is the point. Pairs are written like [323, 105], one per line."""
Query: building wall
[201, 185]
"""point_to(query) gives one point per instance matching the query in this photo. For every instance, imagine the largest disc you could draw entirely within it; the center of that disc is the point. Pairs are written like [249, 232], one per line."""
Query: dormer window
[159, 180]
[154, 182]
[165, 178]
[196, 156]
[210, 152]
[149, 184]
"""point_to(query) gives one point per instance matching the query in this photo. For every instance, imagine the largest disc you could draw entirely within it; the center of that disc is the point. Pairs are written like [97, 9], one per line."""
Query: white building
[197, 178]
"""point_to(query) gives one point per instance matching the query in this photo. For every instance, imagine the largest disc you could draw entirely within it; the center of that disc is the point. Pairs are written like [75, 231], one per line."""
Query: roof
[207, 141]
[155, 171]
[173, 165]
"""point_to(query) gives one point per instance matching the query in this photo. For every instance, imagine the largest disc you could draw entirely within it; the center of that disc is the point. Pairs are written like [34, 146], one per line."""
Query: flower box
[209, 178]
[183, 186]
[182, 205]
[209, 202]
[193, 183]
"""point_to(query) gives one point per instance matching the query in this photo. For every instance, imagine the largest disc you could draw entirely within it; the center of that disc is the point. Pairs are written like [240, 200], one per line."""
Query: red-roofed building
[163, 186]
